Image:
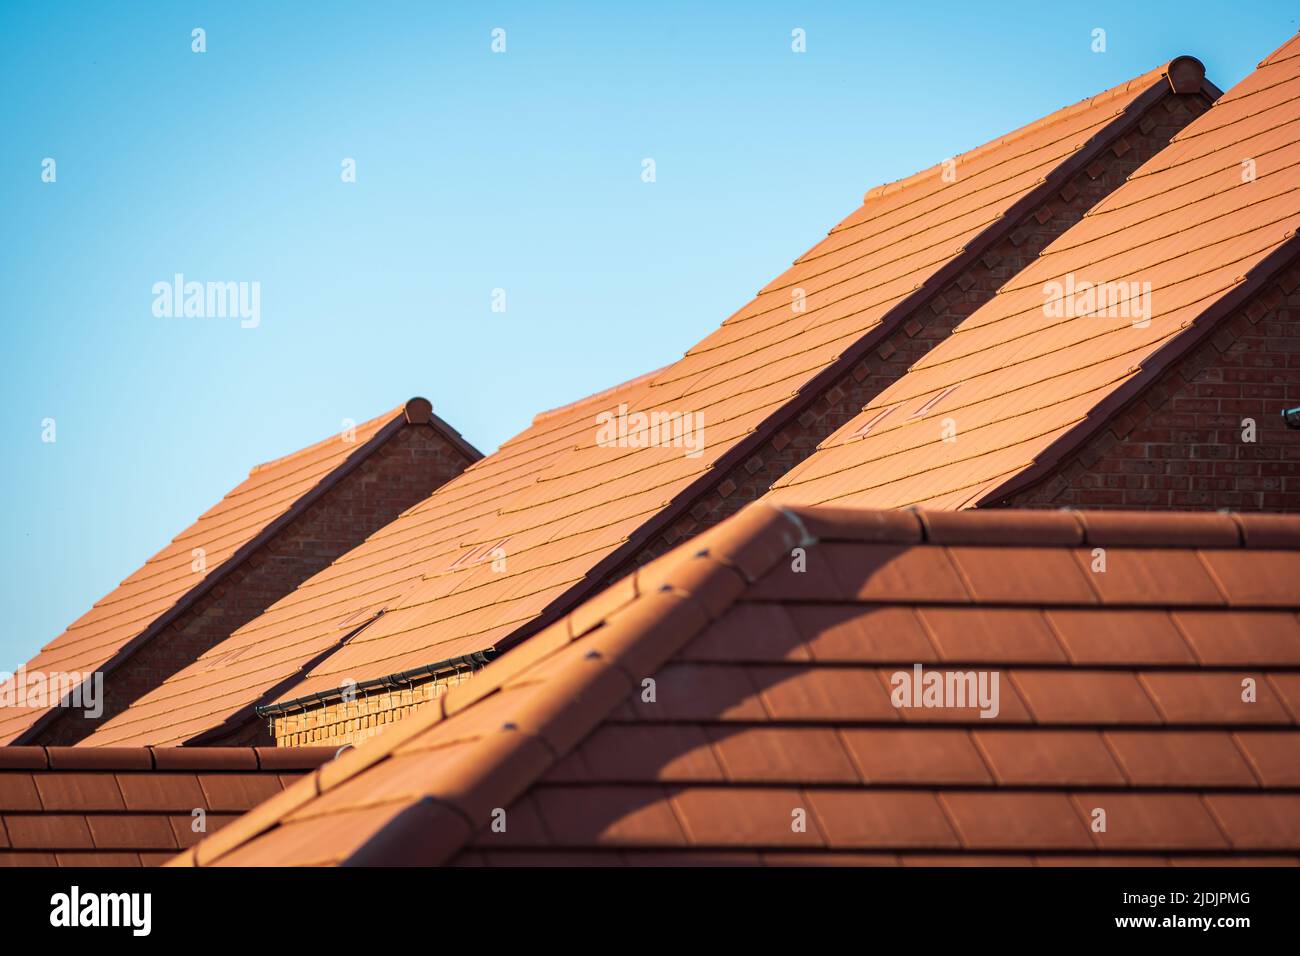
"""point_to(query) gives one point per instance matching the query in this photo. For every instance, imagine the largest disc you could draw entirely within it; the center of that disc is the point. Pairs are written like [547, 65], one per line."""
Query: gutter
[474, 661]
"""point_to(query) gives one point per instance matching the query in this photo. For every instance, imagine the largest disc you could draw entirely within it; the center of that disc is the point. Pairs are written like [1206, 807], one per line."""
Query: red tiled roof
[1021, 388]
[566, 512]
[71, 806]
[1162, 691]
[272, 495]
[307, 624]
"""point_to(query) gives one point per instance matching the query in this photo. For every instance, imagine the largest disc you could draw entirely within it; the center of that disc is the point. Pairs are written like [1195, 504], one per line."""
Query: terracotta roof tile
[157, 791]
[855, 819]
[1258, 822]
[1112, 636]
[312, 840]
[568, 511]
[1056, 758]
[102, 758]
[706, 692]
[1214, 697]
[1011, 635]
[782, 755]
[1274, 756]
[1169, 758]
[1242, 638]
[79, 791]
[1011, 708]
[523, 828]
[1099, 754]
[1016, 821]
[1268, 531]
[1152, 821]
[18, 792]
[797, 694]
[1256, 578]
[848, 633]
[183, 828]
[609, 816]
[38, 832]
[135, 807]
[1287, 687]
[1077, 696]
[1162, 577]
[753, 635]
[1056, 529]
[665, 753]
[1023, 575]
[729, 817]
[914, 756]
[1036, 382]
[133, 831]
[1126, 529]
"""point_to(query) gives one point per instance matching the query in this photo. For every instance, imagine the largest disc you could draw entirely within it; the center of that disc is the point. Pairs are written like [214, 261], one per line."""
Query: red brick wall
[932, 323]
[416, 460]
[1179, 444]
[341, 722]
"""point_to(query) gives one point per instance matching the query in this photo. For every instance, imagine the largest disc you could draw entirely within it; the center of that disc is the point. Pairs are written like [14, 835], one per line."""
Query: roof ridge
[551, 413]
[1190, 75]
[1274, 57]
[316, 446]
[60, 758]
[416, 410]
[578, 669]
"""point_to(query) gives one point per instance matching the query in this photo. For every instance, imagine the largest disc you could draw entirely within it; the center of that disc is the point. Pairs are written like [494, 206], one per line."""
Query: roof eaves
[452, 665]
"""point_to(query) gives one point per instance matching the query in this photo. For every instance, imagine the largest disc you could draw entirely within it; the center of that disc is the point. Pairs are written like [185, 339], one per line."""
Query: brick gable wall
[1180, 444]
[401, 473]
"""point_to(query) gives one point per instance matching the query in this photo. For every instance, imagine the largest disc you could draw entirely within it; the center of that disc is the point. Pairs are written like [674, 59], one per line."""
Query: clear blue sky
[475, 171]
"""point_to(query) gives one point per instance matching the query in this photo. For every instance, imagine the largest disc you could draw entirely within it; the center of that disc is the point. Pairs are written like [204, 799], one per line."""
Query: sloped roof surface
[565, 511]
[1021, 387]
[226, 532]
[1162, 691]
[69, 806]
[325, 609]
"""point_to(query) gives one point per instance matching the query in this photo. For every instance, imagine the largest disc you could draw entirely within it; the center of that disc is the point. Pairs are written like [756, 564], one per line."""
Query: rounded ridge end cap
[419, 411]
[1186, 74]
